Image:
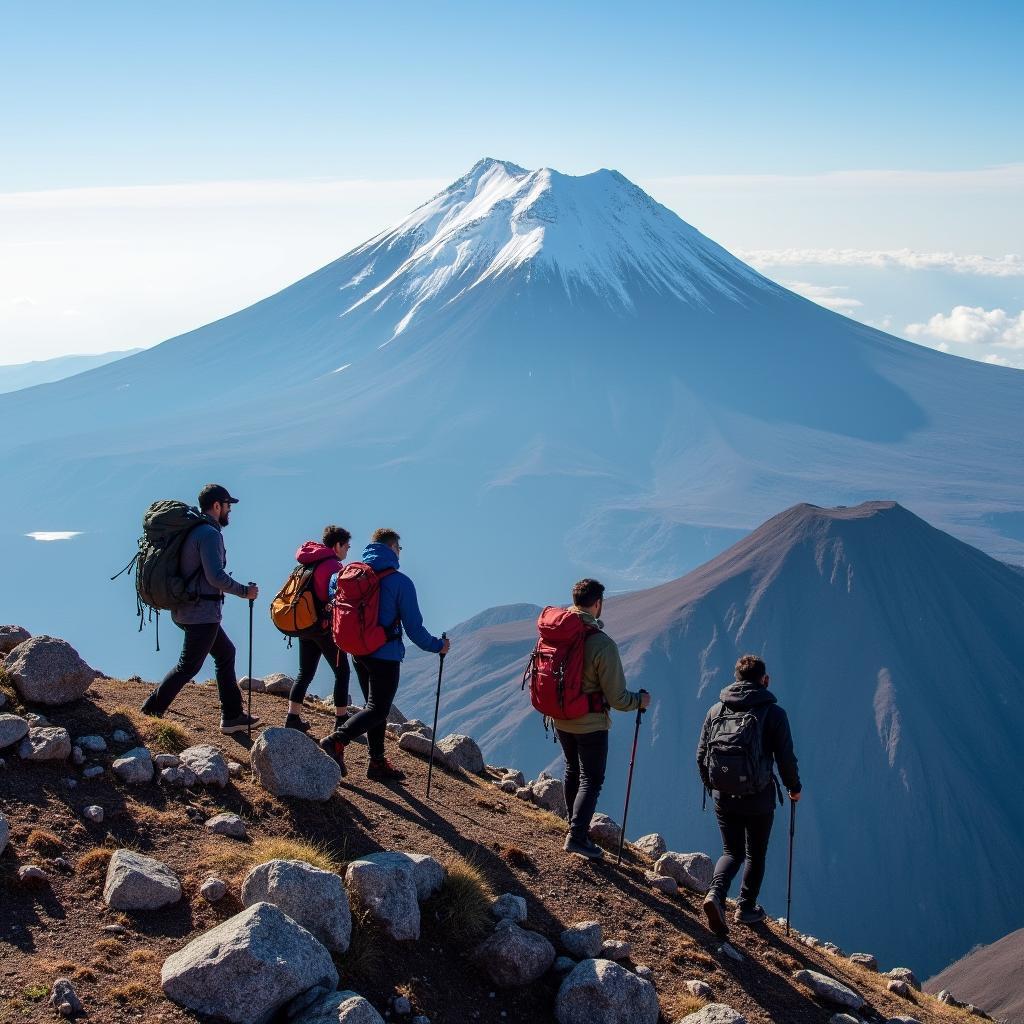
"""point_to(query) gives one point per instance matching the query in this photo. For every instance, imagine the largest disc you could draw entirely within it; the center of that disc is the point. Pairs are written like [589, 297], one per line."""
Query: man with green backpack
[188, 558]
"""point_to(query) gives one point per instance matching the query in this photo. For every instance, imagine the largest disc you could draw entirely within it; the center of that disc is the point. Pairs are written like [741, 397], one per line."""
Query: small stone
[516, 776]
[47, 670]
[122, 737]
[77, 756]
[213, 889]
[692, 870]
[603, 992]
[64, 999]
[828, 989]
[550, 794]
[646, 973]
[92, 744]
[507, 786]
[94, 771]
[699, 989]
[13, 729]
[69, 783]
[509, 907]
[583, 940]
[616, 949]
[278, 682]
[234, 769]
[462, 752]
[162, 761]
[513, 957]
[401, 1006]
[93, 813]
[254, 684]
[842, 1018]
[899, 988]
[45, 743]
[228, 825]
[135, 766]
[604, 829]
[32, 874]
[287, 762]
[905, 974]
[179, 776]
[136, 882]
[524, 793]
[729, 950]
[11, 636]
[208, 764]
[714, 1013]
[663, 883]
[866, 960]
[652, 845]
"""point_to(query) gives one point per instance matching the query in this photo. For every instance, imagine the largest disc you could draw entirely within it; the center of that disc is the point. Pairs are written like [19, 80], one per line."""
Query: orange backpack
[296, 611]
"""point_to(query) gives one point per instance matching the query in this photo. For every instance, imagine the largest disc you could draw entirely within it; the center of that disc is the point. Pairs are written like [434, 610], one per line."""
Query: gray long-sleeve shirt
[204, 550]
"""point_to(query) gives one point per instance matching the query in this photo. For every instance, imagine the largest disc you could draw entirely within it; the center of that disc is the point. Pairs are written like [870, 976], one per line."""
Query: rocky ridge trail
[154, 890]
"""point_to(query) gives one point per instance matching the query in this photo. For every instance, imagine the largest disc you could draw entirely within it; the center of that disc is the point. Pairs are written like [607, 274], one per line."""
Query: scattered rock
[135, 766]
[213, 889]
[644, 972]
[208, 763]
[5, 833]
[122, 736]
[663, 883]
[278, 682]
[905, 974]
[388, 892]
[254, 684]
[550, 794]
[287, 762]
[322, 1007]
[509, 907]
[162, 761]
[700, 989]
[313, 898]
[11, 636]
[246, 969]
[136, 882]
[523, 792]
[93, 813]
[507, 786]
[414, 743]
[179, 776]
[616, 949]
[462, 752]
[45, 743]
[415, 725]
[866, 960]
[828, 989]
[691, 870]
[602, 992]
[652, 845]
[93, 744]
[228, 825]
[46, 670]
[604, 830]
[77, 756]
[516, 776]
[94, 771]
[64, 999]
[899, 988]
[583, 940]
[714, 1013]
[13, 729]
[512, 956]
[727, 949]
[32, 874]
[234, 769]
[427, 873]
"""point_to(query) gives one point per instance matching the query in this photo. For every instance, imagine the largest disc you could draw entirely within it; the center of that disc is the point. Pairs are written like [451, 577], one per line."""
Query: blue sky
[793, 126]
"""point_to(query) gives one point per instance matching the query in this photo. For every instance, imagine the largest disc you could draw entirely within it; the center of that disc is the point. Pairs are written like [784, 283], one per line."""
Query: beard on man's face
[225, 514]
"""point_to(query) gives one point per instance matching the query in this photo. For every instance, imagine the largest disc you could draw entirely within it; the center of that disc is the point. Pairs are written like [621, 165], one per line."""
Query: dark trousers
[201, 640]
[745, 839]
[378, 679]
[310, 650]
[586, 756]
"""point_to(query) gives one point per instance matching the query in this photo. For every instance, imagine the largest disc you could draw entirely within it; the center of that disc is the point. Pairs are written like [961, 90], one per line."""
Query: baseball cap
[215, 492]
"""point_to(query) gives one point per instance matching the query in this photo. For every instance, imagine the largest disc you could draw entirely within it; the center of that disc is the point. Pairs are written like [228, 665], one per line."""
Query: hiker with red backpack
[320, 562]
[575, 677]
[372, 603]
[745, 735]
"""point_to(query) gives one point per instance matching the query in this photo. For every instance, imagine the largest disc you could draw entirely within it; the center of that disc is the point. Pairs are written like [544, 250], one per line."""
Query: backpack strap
[596, 700]
[394, 631]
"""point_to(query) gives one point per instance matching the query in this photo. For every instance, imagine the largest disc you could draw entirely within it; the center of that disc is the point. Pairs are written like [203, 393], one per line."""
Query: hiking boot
[335, 749]
[296, 722]
[749, 915]
[715, 915]
[340, 720]
[240, 723]
[584, 848]
[152, 713]
[383, 770]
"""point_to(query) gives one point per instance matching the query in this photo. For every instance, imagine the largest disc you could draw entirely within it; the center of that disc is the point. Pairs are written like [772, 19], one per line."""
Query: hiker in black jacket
[744, 820]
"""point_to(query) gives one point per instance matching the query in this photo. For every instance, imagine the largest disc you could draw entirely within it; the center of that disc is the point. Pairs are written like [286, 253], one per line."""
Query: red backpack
[555, 669]
[356, 609]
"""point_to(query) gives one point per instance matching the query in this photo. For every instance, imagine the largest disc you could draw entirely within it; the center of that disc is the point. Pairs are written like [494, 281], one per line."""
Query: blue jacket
[398, 601]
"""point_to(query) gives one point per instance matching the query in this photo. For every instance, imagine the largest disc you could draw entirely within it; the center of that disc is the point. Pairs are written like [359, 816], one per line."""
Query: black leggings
[201, 640]
[310, 650]
[378, 679]
[586, 756]
[745, 838]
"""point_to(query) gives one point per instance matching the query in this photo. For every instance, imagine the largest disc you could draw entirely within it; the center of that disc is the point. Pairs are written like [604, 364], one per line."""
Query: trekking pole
[629, 782]
[251, 603]
[789, 884]
[437, 704]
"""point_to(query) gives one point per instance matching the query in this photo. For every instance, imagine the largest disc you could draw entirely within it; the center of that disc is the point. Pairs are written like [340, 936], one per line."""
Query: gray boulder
[427, 873]
[583, 940]
[230, 825]
[13, 728]
[602, 992]
[652, 845]
[46, 670]
[899, 988]
[5, 833]
[313, 898]
[516, 776]
[251, 683]
[287, 762]
[45, 743]
[64, 999]
[388, 891]
[415, 743]
[134, 766]
[605, 830]
[866, 960]
[122, 737]
[843, 1018]
[512, 956]
[616, 949]
[11, 636]
[700, 989]
[246, 969]
[462, 752]
[714, 1013]
[32, 874]
[208, 764]
[136, 882]
[905, 974]
[318, 1006]
[180, 776]
[213, 889]
[663, 883]
[509, 907]
[92, 744]
[550, 794]
[278, 682]
[163, 761]
[93, 813]
[829, 990]
[692, 870]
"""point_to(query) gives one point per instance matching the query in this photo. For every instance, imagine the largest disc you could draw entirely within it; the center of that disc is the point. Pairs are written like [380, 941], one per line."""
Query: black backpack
[735, 761]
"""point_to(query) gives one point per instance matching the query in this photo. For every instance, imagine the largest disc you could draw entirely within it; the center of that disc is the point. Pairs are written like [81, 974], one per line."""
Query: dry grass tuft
[320, 855]
[687, 953]
[154, 817]
[675, 1006]
[464, 903]
[138, 957]
[134, 993]
[44, 841]
[158, 734]
[108, 948]
[83, 974]
[516, 857]
[93, 864]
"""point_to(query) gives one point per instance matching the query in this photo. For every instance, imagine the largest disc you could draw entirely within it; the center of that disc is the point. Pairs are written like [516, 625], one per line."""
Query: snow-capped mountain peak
[595, 233]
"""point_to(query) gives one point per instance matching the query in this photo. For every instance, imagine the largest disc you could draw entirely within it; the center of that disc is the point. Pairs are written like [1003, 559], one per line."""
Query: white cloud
[50, 535]
[825, 295]
[973, 325]
[997, 360]
[1010, 265]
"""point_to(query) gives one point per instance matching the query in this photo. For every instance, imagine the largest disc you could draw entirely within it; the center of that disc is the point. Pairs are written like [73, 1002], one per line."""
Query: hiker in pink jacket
[327, 557]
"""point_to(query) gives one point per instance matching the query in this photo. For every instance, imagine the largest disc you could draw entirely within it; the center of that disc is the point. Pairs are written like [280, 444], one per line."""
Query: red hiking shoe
[335, 748]
[383, 770]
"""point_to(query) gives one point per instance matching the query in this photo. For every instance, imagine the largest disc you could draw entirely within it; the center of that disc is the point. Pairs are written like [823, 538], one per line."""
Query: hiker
[327, 557]
[584, 739]
[203, 558]
[378, 672]
[742, 737]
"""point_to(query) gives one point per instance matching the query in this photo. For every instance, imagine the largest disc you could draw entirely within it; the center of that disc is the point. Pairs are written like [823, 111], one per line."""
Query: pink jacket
[313, 552]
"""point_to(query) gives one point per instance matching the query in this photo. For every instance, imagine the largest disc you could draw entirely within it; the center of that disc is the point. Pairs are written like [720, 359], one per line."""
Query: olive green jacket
[602, 672]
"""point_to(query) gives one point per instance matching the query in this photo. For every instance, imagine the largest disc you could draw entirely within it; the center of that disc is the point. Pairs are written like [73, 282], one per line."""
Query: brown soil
[58, 929]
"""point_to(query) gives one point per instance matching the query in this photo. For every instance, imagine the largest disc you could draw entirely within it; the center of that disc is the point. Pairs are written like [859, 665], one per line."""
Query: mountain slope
[44, 371]
[991, 977]
[896, 651]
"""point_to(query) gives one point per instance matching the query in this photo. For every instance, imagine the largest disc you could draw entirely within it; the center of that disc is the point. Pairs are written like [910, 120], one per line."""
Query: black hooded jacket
[778, 743]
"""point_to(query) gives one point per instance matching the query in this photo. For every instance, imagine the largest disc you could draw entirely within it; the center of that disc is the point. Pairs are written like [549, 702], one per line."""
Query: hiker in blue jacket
[378, 673]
